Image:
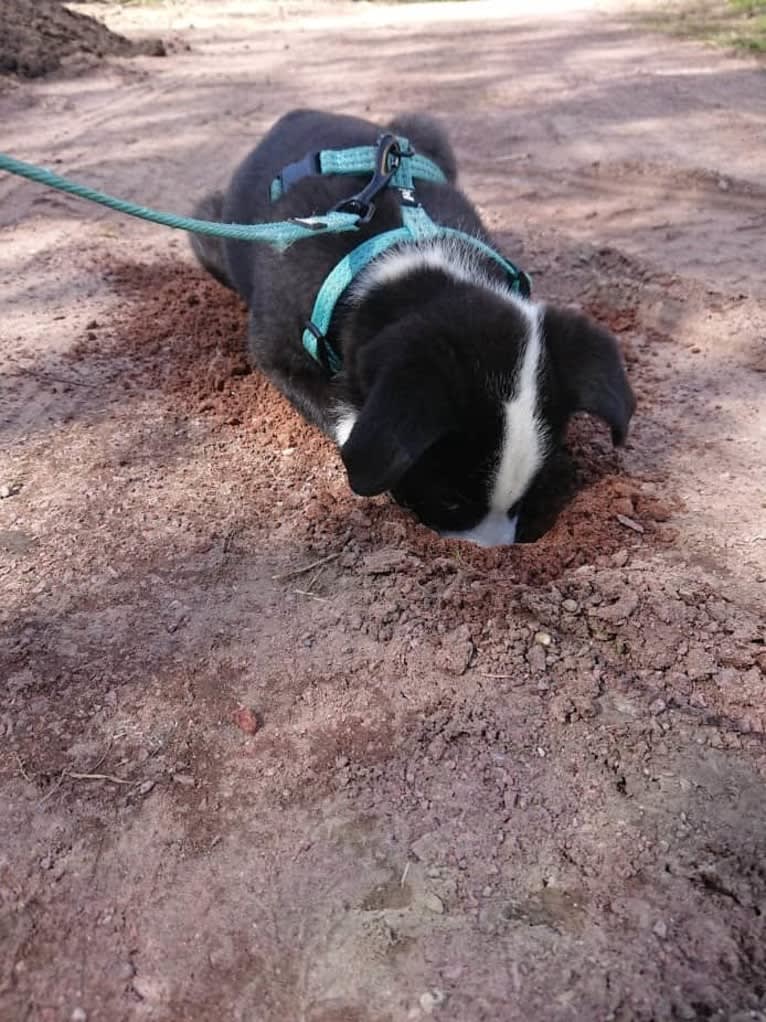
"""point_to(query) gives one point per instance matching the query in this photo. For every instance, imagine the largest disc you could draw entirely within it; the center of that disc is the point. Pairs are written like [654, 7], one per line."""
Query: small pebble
[536, 658]
[620, 559]
[570, 606]
[629, 523]
[125, 971]
[431, 999]
[146, 787]
[78, 1015]
[437, 748]
[433, 903]
[246, 720]
[543, 638]
[660, 929]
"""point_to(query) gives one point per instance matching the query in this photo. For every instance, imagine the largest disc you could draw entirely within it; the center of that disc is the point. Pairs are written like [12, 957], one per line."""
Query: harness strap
[356, 161]
[417, 226]
[348, 269]
[335, 283]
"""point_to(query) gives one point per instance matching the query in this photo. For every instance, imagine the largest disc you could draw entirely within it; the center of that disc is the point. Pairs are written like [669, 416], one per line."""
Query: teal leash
[281, 234]
[393, 164]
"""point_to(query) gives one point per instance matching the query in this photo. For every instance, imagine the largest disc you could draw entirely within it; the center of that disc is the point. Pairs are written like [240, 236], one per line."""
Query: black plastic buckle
[295, 172]
[387, 160]
[328, 357]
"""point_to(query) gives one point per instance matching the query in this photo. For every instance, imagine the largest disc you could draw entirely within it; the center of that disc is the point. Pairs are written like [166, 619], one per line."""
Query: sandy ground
[274, 753]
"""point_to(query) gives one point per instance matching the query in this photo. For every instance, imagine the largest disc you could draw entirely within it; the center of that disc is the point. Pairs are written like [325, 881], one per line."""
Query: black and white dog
[454, 390]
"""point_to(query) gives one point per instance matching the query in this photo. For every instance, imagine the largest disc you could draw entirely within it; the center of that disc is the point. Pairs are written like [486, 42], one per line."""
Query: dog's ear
[586, 362]
[402, 417]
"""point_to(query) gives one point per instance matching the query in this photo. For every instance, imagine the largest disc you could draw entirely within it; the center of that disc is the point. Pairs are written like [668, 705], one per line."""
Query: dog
[455, 390]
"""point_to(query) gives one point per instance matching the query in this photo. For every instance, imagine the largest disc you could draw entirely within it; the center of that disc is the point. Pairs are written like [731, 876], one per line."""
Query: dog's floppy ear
[586, 362]
[402, 417]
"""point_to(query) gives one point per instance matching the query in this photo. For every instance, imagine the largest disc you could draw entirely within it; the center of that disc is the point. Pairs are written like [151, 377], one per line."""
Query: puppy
[454, 390]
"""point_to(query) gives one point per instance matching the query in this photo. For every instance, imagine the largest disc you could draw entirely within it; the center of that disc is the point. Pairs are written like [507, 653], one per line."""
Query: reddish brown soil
[273, 753]
[182, 334]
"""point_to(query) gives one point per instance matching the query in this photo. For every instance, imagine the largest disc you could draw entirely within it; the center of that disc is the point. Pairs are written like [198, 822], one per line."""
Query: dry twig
[302, 571]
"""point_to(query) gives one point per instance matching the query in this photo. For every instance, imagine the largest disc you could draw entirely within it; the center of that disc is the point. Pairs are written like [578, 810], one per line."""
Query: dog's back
[247, 199]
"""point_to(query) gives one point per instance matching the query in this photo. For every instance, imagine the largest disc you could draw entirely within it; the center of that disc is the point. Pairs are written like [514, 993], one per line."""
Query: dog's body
[454, 390]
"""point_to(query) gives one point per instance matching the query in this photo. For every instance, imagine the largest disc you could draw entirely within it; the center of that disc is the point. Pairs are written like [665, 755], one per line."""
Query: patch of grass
[740, 24]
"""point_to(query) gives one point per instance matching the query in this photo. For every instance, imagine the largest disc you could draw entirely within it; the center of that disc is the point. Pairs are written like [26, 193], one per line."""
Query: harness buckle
[309, 165]
[387, 160]
[320, 348]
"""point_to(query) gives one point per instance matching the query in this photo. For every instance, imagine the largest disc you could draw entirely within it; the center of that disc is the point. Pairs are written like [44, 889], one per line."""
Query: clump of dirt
[178, 331]
[181, 333]
[36, 36]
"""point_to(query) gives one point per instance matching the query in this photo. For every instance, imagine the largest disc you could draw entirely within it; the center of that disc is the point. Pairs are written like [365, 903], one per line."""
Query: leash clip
[387, 160]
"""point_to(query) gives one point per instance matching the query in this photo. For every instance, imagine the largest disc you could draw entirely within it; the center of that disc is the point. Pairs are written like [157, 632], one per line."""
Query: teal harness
[393, 164]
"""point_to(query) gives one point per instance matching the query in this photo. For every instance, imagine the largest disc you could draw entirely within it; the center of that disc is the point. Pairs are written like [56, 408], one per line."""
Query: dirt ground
[38, 36]
[272, 752]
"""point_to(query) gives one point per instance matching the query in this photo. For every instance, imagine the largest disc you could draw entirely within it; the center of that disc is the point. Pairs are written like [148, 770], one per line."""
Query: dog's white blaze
[497, 529]
[524, 441]
[522, 451]
[344, 424]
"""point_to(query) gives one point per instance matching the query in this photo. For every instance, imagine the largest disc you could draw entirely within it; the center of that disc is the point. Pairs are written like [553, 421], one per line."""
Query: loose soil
[272, 752]
[37, 36]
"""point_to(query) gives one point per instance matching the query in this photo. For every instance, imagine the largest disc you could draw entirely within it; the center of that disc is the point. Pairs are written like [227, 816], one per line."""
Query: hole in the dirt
[548, 497]
[176, 331]
[587, 457]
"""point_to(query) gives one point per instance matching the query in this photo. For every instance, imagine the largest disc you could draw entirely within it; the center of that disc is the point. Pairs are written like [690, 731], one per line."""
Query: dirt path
[515, 785]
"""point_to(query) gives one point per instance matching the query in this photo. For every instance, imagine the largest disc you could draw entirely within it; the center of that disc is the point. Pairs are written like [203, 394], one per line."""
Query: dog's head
[462, 403]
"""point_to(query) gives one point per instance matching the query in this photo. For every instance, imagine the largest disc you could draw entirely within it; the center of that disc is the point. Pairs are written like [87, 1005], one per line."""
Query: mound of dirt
[177, 331]
[36, 36]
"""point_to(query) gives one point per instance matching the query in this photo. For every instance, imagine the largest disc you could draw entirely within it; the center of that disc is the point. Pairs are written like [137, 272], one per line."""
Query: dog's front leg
[305, 385]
